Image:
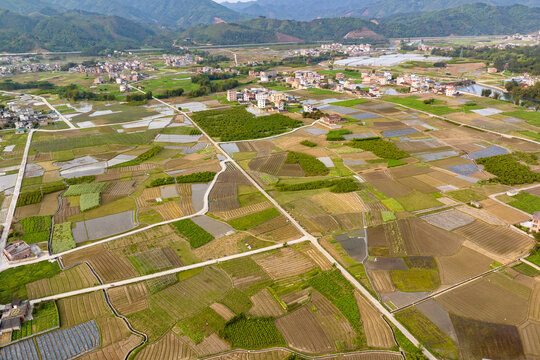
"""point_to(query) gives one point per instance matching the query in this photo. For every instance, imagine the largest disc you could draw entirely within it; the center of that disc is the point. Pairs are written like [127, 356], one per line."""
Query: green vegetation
[508, 170]
[350, 103]
[194, 234]
[80, 189]
[416, 280]
[237, 301]
[141, 158]
[13, 281]
[411, 351]
[81, 180]
[252, 333]
[62, 238]
[252, 220]
[413, 102]
[317, 91]
[89, 201]
[36, 229]
[379, 147]
[35, 196]
[393, 163]
[393, 205]
[526, 202]
[44, 317]
[202, 325]
[311, 165]
[336, 186]
[308, 143]
[418, 201]
[181, 130]
[200, 177]
[388, 216]
[429, 334]
[340, 292]
[466, 195]
[238, 124]
[337, 135]
[526, 269]
[532, 117]
[420, 262]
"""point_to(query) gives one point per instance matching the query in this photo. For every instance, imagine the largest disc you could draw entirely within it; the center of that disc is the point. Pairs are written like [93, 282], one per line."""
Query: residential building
[308, 108]
[535, 222]
[331, 119]
[17, 250]
[232, 95]
[14, 314]
[261, 103]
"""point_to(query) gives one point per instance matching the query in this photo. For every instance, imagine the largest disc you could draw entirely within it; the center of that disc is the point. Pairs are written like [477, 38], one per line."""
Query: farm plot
[421, 238]
[270, 164]
[385, 184]
[497, 240]
[129, 299]
[215, 228]
[530, 333]
[285, 263]
[265, 305]
[378, 333]
[169, 210]
[112, 330]
[118, 350]
[448, 220]
[339, 203]
[228, 245]
[484, 340]
[438, 316]
[111, 267]
[67, 210]
[276, 229]
[243, 211]
[24, 349]
[484, 300]
[68, 343]
[244, 272]
[107, 225]
[382, 281]
[154, 260]
[463, 265]
[81, 308]
[303, 332]
[186, 202]
[169, 347]
[534, 310]
[78, 277]
[148, 197]
[503, 212]
[117, 190]
[222, 311]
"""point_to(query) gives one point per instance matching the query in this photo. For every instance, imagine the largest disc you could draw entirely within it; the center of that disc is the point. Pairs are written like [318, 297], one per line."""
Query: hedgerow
[336, 185]
[311, 165]
[35, 196]
[379, 147]
[195, 234]
[81, 180]
[201, 177]
[141, 158]
[308, 143]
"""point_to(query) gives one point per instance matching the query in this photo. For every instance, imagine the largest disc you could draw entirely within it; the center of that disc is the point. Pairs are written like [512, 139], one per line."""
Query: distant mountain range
[305, 10]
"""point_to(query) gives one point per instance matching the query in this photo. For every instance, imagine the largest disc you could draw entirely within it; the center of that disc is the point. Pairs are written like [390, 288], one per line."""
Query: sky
[220, 1]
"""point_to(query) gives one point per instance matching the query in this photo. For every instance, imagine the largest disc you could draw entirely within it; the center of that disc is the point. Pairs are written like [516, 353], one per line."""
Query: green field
[253, 333]
[526, 269]
[62, 238]
[526, 202]
[45, 317]
[13, 281]
[316, 91]
[379, 147]
[201, 325]
[416, 280]
[532, 117]
[418, 201]
[169, 82]
[413, 102]
[466, 195]
[195, 234]
[252, 220]
[350, 103]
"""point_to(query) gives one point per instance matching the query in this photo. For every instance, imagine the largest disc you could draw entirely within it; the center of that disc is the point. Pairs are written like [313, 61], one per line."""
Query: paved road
[14, 198]
[71, 126]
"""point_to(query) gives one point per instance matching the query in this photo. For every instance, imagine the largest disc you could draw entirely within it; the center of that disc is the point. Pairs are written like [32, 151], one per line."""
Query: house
[261, 103]
[492, 70]
[476, 204]
[123, 88]
[308, 108]
[98, 81]
[512, 192]
[17, 250]
[232, 95]
[14, 314]
[535, 222]
[331, 119]
[280, 105]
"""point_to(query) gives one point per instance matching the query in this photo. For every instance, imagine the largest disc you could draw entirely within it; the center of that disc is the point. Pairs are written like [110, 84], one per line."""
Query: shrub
[194, 234]
[508, 170]
[35, 196]
[89, 201]
[62, 238]
[379, 147]
[141, 158]
[311, 165]
[308, 143]
[253, 333]
[345, 186]
[36, 224]
[337, 135]
[201, 177]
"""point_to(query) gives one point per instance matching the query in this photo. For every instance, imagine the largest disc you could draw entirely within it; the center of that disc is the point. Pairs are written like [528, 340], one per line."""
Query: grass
[532, 117]
[251, 198]
[316, 91]
[534, 257]
[393, 205]
[416, 280]
[253, 333]
[411, 351]
[45, 317]
[429, 334]
[526, 202]
[466, 195]
[62, 238]
[237, 301]
[308, 143]
[418, 201]
[532, 134]
[393, 163]
[413, 102]
[13, 281]
[379, 147]
[252, 220]
[526, 269]
[89, 201]
[388, 216]
[201, 325]
[195, 234]
[350, 103]
[80, 189]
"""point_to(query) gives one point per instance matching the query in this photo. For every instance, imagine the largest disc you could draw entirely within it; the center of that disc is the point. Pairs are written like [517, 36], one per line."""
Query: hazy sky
[220, 1]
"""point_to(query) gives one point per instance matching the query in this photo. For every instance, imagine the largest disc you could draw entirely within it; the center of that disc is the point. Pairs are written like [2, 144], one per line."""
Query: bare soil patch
[503, 212]
[461, 266]
[378, 333]
[385, 184]
[285, 263]
[129, 299]
[265, 305]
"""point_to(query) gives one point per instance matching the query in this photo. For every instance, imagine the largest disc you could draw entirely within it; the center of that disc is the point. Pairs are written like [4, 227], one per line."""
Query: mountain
[470, 19]
[73, 30]
[306, 10]
[167, 13]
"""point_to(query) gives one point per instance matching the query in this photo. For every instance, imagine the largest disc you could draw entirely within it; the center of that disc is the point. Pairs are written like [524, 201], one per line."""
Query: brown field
[222, 311]
[49, 204]
[223, 197]
[497, 240]
[321, 223]
[480, 214]
[184, 190]
[303, 332]
[243, 211]
[485, 340]
[534, 309]
[484, 301]
[148, 197]
[461, 266]
[318, 258]
[503, 212]
[225, 246]
[370, 355]
[296, 297]
[339, 203]
[81, 255]
[293, 170]
[78, 277]
[169, 347]
[250, 355]
[336, 326]
[27, 211]
[116, 351]
[117, 190]
[448, 179]
[382, 281]
[212, 344]
[414, 183]
[265, 305]
[66, 211]
[112, 330]
[157, 237]
[81, 308]
[129, 299]
[350, 221]
[408, 171]
[378, 333]
[169, 210]
[111, 267]
[276, 229]
[530, 333]
[270, 164]
[383, 182]
[285, 263]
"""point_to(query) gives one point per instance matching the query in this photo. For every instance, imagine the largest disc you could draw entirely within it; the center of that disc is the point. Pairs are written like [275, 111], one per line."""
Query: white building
[261, 103]
[232, 95]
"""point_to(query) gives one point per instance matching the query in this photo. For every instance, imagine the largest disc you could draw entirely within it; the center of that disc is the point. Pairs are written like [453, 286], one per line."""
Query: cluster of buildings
[25, 118]
[119, 72]
[526, 79]
[18, 64]
[351, 50]
[212, 70]
[14, 315]
[181, 61]
[267, 100]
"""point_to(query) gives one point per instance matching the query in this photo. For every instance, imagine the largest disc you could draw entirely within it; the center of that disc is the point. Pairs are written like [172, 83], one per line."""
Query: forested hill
[472, 19]
[74, 30]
